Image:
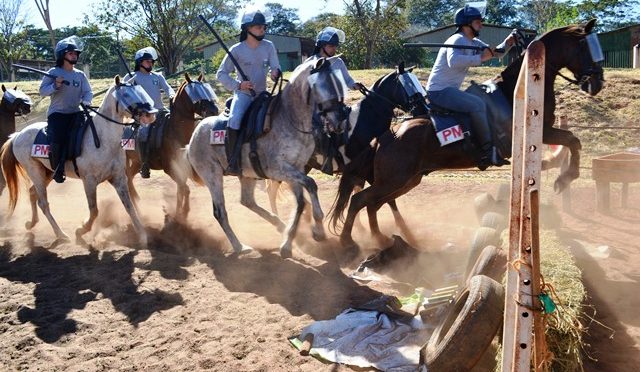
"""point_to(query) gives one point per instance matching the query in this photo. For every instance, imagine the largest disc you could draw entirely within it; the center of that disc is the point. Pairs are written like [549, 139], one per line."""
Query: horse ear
[3, 88]
[319, 63]
[201, 77]
[589, 26]
[410, 69]
[187, 77]
[15, 88]
[116, 80]
[401, 67]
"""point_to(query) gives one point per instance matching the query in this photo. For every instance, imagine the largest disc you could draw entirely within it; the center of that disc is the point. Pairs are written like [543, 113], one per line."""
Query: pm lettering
[217, 137]
[40, 151]
[452, 133]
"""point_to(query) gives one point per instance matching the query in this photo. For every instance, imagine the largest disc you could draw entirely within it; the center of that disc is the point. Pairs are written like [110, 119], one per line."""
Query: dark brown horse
[411, 149]
[192, 98]
[14, 102]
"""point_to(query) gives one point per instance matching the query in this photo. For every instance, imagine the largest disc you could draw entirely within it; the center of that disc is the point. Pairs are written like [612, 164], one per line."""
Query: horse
[283, 151]
[411, 149]
[14, 102]
[122, 104]
[193, 97]
[372, 115]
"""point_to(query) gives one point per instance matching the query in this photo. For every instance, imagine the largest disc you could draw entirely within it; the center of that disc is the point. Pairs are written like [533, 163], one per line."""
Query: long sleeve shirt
[339, 65]
[154, 84]
[255, 63]
[67, 98]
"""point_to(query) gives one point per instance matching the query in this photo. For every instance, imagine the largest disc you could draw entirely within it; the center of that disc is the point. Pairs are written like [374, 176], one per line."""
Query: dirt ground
[186, 304]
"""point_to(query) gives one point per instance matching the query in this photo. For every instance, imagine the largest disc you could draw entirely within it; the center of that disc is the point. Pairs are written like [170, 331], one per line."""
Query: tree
[430, 14]
[285, 20]
[43, 9]
[502, 12]
[374, 23]
[313, 26]
[171, 26]
[12, 35]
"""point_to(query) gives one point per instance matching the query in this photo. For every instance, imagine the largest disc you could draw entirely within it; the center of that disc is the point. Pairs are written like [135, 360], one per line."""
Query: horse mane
[376, 85]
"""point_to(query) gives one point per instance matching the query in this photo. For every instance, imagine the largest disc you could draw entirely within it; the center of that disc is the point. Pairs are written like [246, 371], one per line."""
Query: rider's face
[476, 24]
[71, 55]
[330, 50]
[258, 30]
[147, 63]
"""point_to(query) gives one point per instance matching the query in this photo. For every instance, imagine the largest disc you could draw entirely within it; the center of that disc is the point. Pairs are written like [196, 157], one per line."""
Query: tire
[483, 203]
[494, 220]
[465, 333]
[492, 262]
[483, 237]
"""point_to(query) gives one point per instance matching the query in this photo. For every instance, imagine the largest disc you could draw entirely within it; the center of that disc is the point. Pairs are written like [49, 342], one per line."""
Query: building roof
[620, 29]
[483, 25]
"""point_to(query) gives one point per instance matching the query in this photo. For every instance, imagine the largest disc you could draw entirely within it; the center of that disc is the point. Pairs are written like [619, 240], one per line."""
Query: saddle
[40, 147]
[252, 127]
[154, 133]
[452, 126]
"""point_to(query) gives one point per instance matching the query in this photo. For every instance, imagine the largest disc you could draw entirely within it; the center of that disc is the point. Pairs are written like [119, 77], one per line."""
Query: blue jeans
[239, 106]
[456, 100]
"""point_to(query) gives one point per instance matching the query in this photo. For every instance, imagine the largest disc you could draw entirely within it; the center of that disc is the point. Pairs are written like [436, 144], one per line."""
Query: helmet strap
[71, 62]
[325, 52]
[259, 38]
[147, 69]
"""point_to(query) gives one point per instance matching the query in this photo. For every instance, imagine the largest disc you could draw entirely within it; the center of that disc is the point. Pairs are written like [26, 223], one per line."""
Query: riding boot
[57, 163]
[490, 155]
[145, 172]
[235, 145]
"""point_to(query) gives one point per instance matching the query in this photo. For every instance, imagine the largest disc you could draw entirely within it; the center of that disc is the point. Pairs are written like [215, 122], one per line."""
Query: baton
[454, 46]
[31, 69]
[124, 62]
[231, 57]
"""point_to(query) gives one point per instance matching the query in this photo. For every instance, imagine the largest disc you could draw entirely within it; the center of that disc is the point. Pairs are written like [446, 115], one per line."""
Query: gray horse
[314, 88]
[95, 165]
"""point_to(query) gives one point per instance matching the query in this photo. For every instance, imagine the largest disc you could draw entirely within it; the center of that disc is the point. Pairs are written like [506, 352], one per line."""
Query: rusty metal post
[523, 278]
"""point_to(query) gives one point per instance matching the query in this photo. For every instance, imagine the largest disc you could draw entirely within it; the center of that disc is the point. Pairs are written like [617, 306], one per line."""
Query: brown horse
[411, 149]
[193, 97]
[14, 102]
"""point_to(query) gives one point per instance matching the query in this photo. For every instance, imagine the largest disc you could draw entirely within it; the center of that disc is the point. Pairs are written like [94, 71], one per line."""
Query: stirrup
[145, 172]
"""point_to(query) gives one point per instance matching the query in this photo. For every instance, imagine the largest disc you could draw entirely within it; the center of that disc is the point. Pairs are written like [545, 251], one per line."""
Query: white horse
[283, 151]
[122, 104]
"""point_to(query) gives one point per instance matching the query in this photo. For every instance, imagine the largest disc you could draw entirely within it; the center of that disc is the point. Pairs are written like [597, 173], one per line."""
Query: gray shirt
[67, 98]
[255, 63]
[153, 83]
[339, 65]
[451, 65]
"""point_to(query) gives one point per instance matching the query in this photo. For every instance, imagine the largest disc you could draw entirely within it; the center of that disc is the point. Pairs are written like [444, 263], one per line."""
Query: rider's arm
[339, 64]
[47, 86]
[168, 91]
[460, 58]
[86, 93]
[274, 62]
[224, 74]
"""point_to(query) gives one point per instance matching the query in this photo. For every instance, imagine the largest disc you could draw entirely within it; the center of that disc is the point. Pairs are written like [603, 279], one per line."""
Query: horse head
[16, 101]
[402, 89]
[327, 91]
[197, 94]
[577, 48]
[137, 104]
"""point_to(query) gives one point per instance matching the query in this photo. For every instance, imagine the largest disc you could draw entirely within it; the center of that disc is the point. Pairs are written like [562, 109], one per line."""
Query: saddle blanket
[449, 128]
[40, 147]
[128, 141]
[218, 132]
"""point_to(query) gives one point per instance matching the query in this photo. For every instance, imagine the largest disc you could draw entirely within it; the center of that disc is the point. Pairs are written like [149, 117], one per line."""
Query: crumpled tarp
[366, 338]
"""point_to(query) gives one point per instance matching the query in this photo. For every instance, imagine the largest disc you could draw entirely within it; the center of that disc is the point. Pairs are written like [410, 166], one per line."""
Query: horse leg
[182, 194]
[563, 137]
[214, 183]
[40, 185]
[119, 182]
[285, 248]
[33, 199]
[90, 190]
[247, 198]
[132, 168]
[273, 187]
[402, 225]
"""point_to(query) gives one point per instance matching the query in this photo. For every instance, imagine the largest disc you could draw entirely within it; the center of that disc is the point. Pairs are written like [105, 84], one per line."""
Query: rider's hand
[358, 86]
[246, 85]
[59, 81]
[275, 74]
[487, 54]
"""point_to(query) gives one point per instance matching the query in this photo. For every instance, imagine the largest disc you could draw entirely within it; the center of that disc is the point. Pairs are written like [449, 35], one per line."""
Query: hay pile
[564, 329]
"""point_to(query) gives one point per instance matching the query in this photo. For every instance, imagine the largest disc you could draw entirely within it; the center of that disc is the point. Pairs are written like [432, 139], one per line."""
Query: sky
[71, 12]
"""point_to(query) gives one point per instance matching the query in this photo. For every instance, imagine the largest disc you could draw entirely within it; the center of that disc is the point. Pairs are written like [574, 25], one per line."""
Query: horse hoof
[286, 253]
[30, 224]
[243, 249]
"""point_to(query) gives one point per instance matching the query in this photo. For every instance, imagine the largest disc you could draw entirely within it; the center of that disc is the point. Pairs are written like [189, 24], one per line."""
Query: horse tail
[195, 177]
[11, 170]
[355, 173]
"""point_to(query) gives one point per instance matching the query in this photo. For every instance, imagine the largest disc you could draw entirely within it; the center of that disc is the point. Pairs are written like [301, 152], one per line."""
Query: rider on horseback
[327, 43]
[255, 55]
[154, 84]
[449, 70]
[67, 91]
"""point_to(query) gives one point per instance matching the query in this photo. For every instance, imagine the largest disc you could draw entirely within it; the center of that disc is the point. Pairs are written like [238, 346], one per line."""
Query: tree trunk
[43, 8]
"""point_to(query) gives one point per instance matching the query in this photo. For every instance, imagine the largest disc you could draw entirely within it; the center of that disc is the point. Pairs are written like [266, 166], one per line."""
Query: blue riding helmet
[330, 36]
[146, 53]
[255, 16]
[69, 44]
[464, 16]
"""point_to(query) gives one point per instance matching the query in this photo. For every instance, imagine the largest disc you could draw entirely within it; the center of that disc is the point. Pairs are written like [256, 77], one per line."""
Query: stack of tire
[473, 320]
